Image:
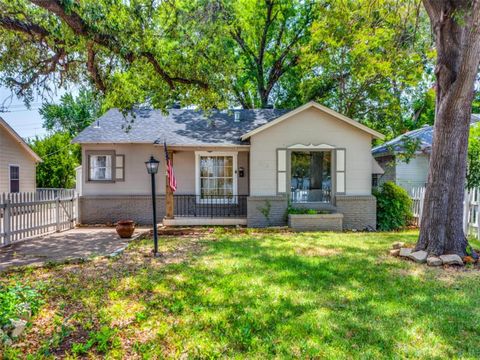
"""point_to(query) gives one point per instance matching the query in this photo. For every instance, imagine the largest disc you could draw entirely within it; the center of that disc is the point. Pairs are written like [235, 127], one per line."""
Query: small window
[100, 167]
[120, 167]
[14, 179]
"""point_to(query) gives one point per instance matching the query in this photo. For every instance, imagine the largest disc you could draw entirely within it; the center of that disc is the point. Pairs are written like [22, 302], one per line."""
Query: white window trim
[198, 154]
[10, 177]
[89, 154]
[108, 158]
[333, 173]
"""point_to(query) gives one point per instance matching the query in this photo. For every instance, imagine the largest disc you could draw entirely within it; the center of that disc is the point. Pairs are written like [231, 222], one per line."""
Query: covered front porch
[207, 210]
[212, 187]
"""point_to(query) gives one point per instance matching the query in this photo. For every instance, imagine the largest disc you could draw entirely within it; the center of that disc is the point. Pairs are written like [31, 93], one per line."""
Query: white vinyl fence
[25, 215]
[471, 212]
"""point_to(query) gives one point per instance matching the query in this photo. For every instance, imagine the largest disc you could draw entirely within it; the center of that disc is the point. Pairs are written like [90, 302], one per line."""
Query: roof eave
[19, 139]
[160, 144]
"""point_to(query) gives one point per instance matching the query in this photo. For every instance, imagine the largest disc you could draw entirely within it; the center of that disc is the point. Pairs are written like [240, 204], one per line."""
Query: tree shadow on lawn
[339, 305]
[257, 296]
[251, 296]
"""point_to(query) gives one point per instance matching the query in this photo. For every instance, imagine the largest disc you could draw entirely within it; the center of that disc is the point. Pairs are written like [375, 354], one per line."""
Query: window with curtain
[100, 167]
[311, 176]
[216, 177]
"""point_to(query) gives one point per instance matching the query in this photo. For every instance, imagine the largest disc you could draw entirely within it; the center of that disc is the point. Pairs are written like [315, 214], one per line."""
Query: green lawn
[255, 295]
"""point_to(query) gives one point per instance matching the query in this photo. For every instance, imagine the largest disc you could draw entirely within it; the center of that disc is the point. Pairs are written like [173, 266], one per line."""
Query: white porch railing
[471, 211]
[26, 215]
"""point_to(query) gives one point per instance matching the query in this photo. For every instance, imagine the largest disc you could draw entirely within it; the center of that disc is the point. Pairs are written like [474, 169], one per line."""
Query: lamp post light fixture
[152, 168]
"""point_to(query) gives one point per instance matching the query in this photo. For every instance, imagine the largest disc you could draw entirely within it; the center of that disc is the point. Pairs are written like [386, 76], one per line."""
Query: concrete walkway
[77, 243]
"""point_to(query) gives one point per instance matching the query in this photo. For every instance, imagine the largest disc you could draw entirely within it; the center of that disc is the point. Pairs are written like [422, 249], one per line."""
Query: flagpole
[169, 200]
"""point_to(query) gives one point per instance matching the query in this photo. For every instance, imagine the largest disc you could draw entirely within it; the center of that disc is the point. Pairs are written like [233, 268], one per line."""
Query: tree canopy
[59, 160]
[63, 121]
[135, 51]
[268, 37]
[72, 114]
[371, 60]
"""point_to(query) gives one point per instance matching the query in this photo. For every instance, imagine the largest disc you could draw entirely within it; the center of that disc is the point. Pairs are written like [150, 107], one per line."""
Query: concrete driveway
[77, 243]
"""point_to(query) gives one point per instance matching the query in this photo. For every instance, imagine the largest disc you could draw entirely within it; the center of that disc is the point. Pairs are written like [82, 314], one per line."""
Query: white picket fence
[26, 215]
[471, 210]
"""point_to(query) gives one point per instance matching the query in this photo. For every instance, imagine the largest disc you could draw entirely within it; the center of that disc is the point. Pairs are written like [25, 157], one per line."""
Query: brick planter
[316, 222]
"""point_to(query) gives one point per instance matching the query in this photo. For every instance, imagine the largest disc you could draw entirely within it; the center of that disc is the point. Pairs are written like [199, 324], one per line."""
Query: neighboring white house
[413, 173]
[237, 166]
[17, 162]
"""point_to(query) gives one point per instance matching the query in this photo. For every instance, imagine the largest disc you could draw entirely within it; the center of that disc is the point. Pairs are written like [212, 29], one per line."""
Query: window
[216, 176]
[100, 167]
[311, 176]
[14, 178]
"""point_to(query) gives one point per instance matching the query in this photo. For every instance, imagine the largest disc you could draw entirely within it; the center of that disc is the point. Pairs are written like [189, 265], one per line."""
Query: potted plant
[125, 228]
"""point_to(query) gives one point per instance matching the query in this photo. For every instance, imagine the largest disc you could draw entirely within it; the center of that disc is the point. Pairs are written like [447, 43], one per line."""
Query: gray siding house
[413, 173]
[232, 167]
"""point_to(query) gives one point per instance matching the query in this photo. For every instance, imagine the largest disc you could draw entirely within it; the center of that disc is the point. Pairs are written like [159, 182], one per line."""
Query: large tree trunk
[456, 26]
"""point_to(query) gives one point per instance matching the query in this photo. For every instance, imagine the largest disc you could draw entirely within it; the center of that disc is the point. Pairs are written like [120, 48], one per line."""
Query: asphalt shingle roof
[177, 127]
[423, 136]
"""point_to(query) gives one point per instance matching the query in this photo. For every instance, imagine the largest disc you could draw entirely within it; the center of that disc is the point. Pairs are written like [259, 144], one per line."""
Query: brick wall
[359, 212]
[318, 222]
[110, 209]
[278, 211]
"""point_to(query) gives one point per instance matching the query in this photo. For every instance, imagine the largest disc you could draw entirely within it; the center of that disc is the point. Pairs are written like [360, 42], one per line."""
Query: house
[17, 162]
[232, 167]
[412, 173]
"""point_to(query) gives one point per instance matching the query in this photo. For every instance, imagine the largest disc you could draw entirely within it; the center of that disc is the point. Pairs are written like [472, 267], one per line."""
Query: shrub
[473, 174]
[393, 207]
[14, 298]
[303, 211]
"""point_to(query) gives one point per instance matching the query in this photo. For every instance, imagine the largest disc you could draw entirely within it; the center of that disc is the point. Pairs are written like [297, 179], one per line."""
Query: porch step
[200, 221]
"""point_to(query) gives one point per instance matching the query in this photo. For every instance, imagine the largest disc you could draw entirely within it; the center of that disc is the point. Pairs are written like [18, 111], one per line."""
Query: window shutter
[108, 165]
[340, 171]
[120, 167]
[281, 171]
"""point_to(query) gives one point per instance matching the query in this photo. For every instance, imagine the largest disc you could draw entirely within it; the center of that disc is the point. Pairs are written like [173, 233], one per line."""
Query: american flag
[172, 182]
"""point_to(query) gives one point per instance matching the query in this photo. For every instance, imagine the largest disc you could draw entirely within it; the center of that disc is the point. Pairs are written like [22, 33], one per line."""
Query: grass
[243, 294]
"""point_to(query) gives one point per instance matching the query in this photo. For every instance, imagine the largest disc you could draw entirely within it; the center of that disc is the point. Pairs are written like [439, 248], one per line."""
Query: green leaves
[473, 174]
[73, 114]
[393, 207]
[59, 160]
[367, 60]
[14, 298]
[371, 61]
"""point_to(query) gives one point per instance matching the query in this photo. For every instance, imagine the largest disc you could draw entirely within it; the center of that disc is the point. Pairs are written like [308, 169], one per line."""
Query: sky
[26, 122]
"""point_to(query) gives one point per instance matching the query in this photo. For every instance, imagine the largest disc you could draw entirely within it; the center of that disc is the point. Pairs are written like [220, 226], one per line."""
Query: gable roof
[19, 140]
[423, 137]
[315, 105]
[177, 127]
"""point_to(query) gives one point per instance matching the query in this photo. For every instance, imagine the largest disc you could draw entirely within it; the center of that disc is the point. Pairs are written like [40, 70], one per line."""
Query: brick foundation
[359, 212]
[110, 209]
[278, 211]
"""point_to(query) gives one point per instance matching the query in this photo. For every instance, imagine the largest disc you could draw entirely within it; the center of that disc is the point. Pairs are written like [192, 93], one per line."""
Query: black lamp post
[152, 169]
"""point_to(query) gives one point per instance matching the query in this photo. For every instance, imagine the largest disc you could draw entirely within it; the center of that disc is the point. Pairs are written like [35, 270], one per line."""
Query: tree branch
[79, 27]
[93, 68]
[24, 27]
